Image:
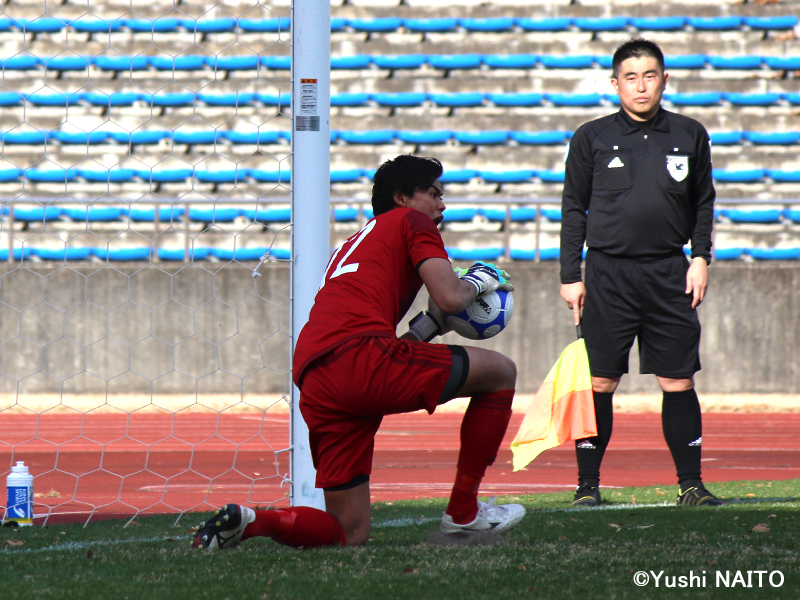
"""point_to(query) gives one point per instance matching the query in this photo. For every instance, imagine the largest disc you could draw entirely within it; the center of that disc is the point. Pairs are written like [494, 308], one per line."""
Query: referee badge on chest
[678, 167]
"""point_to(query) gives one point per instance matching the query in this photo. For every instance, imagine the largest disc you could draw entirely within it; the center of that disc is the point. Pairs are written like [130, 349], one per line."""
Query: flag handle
[578, 330]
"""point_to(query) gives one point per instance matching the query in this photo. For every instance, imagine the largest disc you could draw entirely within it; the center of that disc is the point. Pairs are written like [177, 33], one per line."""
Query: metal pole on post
[311, 43]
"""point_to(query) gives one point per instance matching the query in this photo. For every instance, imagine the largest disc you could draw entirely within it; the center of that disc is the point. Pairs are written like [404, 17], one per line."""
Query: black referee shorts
[626, 299]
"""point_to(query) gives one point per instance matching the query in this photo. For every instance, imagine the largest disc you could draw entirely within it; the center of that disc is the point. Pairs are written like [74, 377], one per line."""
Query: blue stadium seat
[441, 136]
[458, 176]
[399, 61]
[773, 138]
[784, 175]
[530, 254]
[552, 214]
[516, 176]
[452, 62]
[481, 138]
[345, 214]
[738, 176]
[538, 138]
[213, 215]
[265, 176]
[209, 25]
[574, 99]
[122, 254]
[232, 63]
[221, 176]
[510, 61]
[368, 212]
[95, 25]
[458, 99]
[114, 99]
[268, 215]
[152, 26]
[148, 215]
[51, 175]
[400, 99]
[282, 100]
[140, 137]
[376, 25]
[753, 215]
[792, 214]
[280, 253]
[346, 175]
[93, 214]
[460, 215]
[579, 61]
[46, 99]
[165, 175]
[601, 24]
[378, 136]
[21, 63]
[441, 25]
[491, 25]
[277, 63]
[520, 214]
[783, 63]
[206, 136]
[5, 24]
[473, 254]
[42, 25]
[685, 61]
[549, 176]
[28, 138]
[338, 24]
[728, 253]
[265, 25]
[233, 99]
[80, 137]
[38, 214]
[252, 137]
[62, 254]
[352, 63]
[122, 63]
[551, 24]
[771, 23]
[180, 253]
[659, 23]
[793, 99]
[10, 99]
[184, 63]
[752, 99]
[18, 253]
[349, 99]
[735, 62]
[695, 99]
[773, 253]
[67, 63]
[172, 99]
[107, 175]
[239, 253]
[725, 138]
[9, 175]
[715, 23]
[516, 99]
[605, 61]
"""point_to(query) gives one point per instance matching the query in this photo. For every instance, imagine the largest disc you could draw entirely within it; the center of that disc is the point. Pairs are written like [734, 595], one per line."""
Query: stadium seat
[93, 214]
[458, 99]
[792, 214]
[281, 100]
[516, 99]
[659, 23]
[725, 138]
[266, 176]
[773, 138]
[231, 63]
[51, 175]
[368, 212]
[552, 214]
[352, 63]
[481, 138]
[80, 137]
[213, 215]
[346, 175]
[338, 24]
[458, 176]
[715, 23]
[67, 63]
[148, 215]
[345, 214]
[694, 99]
[122, 63]
[548, 176]
[728, 253]
[9, 175]
[605, 61]
[738, 176]
[207, 136]
[735, 62]
[140, 137]
[452, 62]
[173, 99]
[41, 25]
[94, 25]
[601, 24]
[400, 99]
[239, 253]
[530, 254]
[107, 175]
[510, 61]
[538, 138]
[581, 61]
[276, 63]
[473, 254]
[546, 24]
[5, 25]
[46, 99]
[784, 175]
[62, 254]
[10, 99]
[437, 25]
[252, 137]
[584, 100]
[265, 25]
[793, 99]
[268, 215]
[21, 63]
[518, 214]
[773, 253]
[399, 61]
[38, 214]
[771, 23]
[17, 253]
[685, 61]
[491, 25]
[122, 254]
[501, 177]
[280, 253]
[349, 99]
[29, 138]
[459, 215]
[425, 137]
[152, 26]
[165, 175]
[115, 99]
[783, 63]
[378, 136]
[179, 253]
[752, 99]
[233, 99]
[753, 216]
[376, 25]
[188, 63]
[209, 25]
[221, 176]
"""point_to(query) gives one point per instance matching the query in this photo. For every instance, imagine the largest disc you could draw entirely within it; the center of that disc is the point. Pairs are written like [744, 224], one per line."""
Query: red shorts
[346, 393]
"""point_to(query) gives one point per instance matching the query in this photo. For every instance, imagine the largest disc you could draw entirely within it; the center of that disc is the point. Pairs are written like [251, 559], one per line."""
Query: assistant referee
[637, 188]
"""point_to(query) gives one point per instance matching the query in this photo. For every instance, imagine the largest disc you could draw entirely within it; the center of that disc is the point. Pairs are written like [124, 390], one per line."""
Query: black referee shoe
[586, 495]
[698, 496]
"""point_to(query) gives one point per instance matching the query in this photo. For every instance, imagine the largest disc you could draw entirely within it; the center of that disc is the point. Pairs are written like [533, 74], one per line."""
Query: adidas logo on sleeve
[616, 163]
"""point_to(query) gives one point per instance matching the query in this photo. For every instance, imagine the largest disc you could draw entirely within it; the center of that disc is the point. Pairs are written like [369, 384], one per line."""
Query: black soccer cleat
[698, 496]
[223, 530]
[587, 495]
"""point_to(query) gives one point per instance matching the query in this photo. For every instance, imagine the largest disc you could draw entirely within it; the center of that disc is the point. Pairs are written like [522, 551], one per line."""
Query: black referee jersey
[647, 188]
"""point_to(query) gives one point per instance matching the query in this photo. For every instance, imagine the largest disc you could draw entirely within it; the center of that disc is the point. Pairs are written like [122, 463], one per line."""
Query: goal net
[144, 255]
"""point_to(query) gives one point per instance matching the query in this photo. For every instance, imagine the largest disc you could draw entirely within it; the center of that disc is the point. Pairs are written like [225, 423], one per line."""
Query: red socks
[299, 527]
[482, 431]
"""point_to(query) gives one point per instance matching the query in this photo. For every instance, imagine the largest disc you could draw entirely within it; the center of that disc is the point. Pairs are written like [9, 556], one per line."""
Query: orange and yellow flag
[562, 410]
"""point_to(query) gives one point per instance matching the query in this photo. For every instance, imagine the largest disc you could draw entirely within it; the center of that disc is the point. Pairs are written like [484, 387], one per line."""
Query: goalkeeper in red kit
[352, 369]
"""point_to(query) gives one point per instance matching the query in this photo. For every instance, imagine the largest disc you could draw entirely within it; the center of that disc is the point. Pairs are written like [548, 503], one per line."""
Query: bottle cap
[20, 468]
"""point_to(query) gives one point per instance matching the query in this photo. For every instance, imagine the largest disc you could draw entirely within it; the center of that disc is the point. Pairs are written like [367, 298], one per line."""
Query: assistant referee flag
[562, 410]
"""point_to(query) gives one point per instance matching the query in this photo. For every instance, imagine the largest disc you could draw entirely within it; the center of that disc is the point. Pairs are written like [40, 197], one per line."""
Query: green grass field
[556, 552]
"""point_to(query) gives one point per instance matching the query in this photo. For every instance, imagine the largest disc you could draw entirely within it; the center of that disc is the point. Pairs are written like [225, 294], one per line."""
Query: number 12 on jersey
[341, 267]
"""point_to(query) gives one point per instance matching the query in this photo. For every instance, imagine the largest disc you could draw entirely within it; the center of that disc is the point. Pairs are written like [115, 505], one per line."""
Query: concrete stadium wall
[193, 329]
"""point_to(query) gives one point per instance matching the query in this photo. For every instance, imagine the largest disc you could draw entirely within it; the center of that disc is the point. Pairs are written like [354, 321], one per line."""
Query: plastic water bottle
[19, 487]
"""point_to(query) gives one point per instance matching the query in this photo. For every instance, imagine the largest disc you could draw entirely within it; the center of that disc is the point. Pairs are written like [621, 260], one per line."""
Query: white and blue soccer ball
[484, 318]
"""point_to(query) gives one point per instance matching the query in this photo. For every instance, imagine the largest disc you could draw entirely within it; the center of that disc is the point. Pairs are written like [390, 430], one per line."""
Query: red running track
[196, 461]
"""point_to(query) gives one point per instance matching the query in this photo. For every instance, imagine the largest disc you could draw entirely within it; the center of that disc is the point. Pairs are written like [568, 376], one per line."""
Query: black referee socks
[683, 432]
[589, 451]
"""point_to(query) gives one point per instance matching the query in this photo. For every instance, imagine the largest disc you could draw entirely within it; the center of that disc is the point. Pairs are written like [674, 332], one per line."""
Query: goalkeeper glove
[426, 326]
[486, 278]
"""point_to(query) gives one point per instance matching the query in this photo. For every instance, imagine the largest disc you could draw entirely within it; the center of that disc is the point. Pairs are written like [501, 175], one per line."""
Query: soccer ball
[484, 318]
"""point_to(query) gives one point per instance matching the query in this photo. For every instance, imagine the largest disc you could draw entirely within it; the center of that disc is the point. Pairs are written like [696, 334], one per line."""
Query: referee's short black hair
[406, 173]
[636, 49]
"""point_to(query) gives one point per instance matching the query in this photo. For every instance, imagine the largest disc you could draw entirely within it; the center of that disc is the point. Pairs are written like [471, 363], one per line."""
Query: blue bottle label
[20, 504]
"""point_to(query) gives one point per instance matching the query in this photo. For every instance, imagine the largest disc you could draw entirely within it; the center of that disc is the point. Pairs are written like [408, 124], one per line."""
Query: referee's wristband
[424, 327]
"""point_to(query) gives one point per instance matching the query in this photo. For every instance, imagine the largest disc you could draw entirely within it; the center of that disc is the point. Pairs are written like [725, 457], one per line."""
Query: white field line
[73, 546]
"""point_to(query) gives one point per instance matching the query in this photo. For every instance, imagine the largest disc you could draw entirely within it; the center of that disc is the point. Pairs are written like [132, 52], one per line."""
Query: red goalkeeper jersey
[369, 284]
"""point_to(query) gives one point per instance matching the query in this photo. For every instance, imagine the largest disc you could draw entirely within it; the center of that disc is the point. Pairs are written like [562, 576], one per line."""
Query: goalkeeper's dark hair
[636, 49]
[406, 173]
